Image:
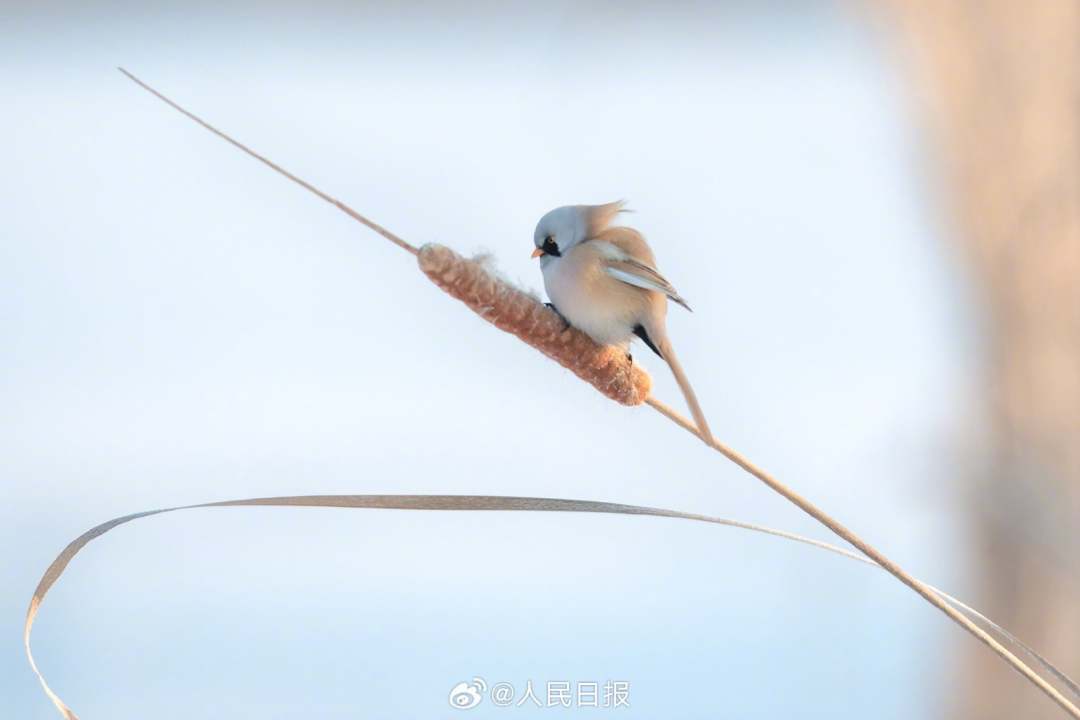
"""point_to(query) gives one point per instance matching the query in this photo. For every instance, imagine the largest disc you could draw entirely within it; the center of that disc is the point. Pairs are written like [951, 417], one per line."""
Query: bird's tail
[668, 353]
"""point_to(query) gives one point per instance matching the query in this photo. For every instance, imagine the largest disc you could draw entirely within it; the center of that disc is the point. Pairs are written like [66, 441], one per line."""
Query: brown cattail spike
[506, 307]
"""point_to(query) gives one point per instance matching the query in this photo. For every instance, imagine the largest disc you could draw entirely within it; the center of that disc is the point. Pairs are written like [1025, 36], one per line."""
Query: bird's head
[564, 227]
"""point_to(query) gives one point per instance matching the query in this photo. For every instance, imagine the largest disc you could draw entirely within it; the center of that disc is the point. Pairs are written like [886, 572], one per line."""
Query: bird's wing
[621, 266]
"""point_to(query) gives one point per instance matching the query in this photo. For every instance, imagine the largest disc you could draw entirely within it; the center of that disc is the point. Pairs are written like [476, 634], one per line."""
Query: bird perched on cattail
[603, 280]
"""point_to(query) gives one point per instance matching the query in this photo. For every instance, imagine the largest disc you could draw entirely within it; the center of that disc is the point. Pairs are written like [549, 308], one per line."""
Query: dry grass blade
[924, 590]
[422, 502]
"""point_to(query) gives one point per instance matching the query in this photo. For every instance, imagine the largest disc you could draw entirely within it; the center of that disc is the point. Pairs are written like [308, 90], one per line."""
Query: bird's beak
[537, 253]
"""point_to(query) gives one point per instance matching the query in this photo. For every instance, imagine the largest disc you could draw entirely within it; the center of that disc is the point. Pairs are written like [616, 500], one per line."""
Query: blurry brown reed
[486, 295]
[996, 89]
[608, 369]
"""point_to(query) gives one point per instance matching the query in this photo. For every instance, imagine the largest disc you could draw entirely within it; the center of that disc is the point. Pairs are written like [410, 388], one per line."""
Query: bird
[602, 279]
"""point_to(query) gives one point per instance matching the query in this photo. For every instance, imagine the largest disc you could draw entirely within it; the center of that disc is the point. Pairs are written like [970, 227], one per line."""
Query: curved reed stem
[925, 591]
[437, 502]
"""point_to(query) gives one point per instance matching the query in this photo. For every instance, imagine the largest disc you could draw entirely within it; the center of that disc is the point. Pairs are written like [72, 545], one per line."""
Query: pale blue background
[179, 324]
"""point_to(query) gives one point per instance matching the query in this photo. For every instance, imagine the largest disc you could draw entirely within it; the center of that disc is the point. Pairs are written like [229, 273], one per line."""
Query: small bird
[602, 279]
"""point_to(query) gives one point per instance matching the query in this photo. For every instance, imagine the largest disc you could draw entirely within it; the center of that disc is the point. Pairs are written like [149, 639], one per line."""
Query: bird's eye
[550, 248]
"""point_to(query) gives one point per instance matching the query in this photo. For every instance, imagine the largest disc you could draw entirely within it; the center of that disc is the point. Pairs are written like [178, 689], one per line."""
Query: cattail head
[506, 307]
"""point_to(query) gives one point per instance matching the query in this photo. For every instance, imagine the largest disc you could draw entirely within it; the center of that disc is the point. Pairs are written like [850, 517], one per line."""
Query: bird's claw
[566, 323]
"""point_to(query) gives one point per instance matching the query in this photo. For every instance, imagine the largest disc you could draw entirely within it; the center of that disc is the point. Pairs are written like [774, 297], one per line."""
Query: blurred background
[872, 207]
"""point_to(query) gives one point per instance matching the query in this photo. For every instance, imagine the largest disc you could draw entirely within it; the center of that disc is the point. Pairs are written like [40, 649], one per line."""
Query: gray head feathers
[565, 227]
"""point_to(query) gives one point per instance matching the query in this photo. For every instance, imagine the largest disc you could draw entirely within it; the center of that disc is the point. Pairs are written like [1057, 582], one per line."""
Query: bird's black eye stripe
[550, 248]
